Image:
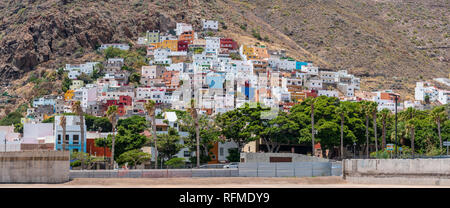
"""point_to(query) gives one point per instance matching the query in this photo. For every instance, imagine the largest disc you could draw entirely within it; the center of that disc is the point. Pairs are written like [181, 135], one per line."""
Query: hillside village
[181, 65]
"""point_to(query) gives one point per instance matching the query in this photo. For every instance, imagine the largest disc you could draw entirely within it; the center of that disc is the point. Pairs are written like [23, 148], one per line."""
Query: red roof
[317, 146]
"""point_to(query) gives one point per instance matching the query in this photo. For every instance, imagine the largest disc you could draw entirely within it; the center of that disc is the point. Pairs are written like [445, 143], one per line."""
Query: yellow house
[170, 44]
[249, 52]
[69, 95]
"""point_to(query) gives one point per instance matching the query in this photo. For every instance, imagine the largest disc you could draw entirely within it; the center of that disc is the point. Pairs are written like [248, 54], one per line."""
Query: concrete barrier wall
[398, 171]
[265, 157]
[34, 167]
[168, 173]
[297, 169]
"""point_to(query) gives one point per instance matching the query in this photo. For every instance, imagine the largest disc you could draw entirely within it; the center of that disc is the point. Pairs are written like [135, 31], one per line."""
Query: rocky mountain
[389, 43]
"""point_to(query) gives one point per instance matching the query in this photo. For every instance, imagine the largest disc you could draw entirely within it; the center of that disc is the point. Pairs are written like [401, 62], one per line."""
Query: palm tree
[408, 116]
[62, 122]
[437, 114]
[150, 107]
[384, 114]
[373, 107]
[311, 103]
[76, 108]
[410, 127]
[193, 111]
[366, 110]
[341, 111]
[111, 114]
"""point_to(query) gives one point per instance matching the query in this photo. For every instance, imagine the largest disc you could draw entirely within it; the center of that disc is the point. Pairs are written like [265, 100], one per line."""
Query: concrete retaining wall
[168, 173]
[297, 169]
[398, 171]
[265, 157]
[34, 167]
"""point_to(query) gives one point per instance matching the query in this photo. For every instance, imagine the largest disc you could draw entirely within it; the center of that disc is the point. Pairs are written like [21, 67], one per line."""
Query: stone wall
[40, 166]
[398, 171]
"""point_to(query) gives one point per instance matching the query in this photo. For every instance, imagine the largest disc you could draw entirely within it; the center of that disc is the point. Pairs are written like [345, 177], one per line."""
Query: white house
[212, 45]
[161, 56]
[210, 24]
[120, 46]
[328, 93]
[424, 89]
[182, 27]
[444, 96]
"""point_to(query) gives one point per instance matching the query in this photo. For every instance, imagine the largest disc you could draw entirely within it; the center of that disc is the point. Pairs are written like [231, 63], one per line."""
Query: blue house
[299, 64]
[215, 81]
[73, 134]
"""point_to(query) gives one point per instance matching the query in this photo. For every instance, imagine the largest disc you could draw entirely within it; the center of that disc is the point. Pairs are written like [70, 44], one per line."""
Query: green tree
[209, 134]
[367, 111]
[438, 115]
[66, 83]
[233, 155]
[129, 135]
[341, 111]
[175, 162]
[168, 144]
[385, 115]
[133, 158]
[234, 125]
[94, 123]
[11, 119]
[18, 127]
[135, 78]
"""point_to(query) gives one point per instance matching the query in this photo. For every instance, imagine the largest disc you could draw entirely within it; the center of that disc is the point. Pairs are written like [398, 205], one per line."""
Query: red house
[183, 45]
[228, 43]
[111, 103]
[121, 110]
[125, 100]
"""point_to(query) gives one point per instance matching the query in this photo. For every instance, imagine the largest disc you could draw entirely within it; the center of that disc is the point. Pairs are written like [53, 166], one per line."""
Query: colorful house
[183, 45]
[299, 64]
[188, 35]
[73, 134]
[69, 95]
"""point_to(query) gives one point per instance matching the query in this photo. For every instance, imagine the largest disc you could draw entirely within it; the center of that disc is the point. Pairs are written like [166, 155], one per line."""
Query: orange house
[188, 35]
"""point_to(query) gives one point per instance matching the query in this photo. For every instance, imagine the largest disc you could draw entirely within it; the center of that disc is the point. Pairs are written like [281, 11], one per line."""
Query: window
[187, 154]
[76, 139]
[59, 138]
[221, 151]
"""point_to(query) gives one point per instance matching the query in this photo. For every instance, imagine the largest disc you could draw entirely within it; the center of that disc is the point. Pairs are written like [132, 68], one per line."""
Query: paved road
[228, 182]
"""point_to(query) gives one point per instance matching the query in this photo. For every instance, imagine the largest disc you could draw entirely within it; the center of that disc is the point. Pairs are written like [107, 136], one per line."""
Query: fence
[14, 147]
[156, 173]
[294, 169]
